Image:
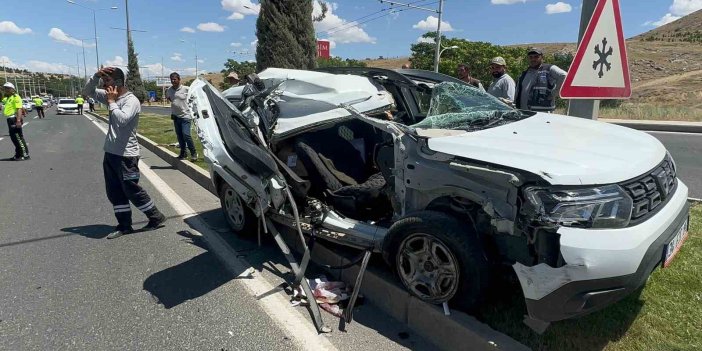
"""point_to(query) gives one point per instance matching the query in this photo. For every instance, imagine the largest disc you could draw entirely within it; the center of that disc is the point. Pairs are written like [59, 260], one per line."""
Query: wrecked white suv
[447, 183]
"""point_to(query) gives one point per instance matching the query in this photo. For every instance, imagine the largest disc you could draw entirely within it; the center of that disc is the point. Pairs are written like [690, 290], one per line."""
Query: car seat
[337, 173]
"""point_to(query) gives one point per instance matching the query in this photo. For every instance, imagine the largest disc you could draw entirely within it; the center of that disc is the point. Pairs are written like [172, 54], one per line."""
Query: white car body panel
[563, 150]
[334, 89]
[215, 152]
[600, 253]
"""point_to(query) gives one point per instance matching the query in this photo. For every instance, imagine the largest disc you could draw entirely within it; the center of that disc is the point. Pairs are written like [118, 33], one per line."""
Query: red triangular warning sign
[600, 69]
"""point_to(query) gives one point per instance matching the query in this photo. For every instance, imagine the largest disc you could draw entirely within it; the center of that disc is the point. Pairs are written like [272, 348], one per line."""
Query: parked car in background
[66, 106]
[28, 104]
[453, 187]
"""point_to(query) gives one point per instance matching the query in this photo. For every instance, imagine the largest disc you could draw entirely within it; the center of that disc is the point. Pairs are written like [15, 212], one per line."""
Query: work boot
[156, 220]
[182, 156]
[119, 231]
[193, 156]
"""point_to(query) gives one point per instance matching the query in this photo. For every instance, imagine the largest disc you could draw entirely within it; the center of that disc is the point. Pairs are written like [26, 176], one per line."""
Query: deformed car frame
[455, 185]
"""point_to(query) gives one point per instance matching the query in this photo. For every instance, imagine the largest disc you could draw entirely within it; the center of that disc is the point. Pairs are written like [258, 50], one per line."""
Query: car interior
[348, 165]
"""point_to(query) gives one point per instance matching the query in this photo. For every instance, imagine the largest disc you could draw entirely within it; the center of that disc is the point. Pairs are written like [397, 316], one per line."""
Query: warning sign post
[600, 68]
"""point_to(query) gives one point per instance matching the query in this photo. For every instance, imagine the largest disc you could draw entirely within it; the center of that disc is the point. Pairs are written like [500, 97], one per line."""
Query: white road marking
[680, 133]
[1, 139]
[35, 117]
[299, 329]
[24, 124]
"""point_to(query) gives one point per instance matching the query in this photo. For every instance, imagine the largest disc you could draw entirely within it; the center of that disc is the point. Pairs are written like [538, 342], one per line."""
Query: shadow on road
[93, 231]
[187, 280]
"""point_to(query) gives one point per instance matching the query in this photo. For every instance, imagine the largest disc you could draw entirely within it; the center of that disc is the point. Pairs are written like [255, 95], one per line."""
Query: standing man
[80, 102]
[502, 86]
[539, 84]
[463, 73]
[233, 79]
[39, 105]
[13, 111]
[121, 163]
[180, 114]
[91, 104]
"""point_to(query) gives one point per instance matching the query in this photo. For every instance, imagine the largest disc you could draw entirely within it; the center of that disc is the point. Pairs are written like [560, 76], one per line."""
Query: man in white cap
[12, 110]
[121, 162]
[502, 86]
[233, 79]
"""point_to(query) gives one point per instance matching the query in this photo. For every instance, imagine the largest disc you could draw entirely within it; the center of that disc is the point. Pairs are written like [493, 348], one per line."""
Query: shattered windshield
[459, 106]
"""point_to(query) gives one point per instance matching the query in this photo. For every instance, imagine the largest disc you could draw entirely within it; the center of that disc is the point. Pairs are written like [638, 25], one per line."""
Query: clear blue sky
[36, 34]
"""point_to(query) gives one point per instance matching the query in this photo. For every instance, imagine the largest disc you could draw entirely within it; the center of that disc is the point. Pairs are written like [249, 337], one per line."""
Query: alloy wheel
[234, 209]
[428, 268]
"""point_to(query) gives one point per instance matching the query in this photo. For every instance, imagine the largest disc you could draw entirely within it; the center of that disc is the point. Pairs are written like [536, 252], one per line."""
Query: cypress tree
[286, 37]
[134, 83]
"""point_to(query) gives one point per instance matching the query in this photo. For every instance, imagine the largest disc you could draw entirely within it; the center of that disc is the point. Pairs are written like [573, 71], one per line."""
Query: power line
[376, 18]
[355, 23]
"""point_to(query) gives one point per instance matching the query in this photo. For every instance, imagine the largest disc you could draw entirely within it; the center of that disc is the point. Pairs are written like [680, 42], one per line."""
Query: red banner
[323, 48]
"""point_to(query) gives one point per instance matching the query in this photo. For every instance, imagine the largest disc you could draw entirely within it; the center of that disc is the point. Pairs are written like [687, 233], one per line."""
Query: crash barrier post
[303, 283]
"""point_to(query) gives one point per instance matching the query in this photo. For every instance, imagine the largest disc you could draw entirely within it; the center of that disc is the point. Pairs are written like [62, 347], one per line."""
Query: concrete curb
[459, 331]
[661, 126]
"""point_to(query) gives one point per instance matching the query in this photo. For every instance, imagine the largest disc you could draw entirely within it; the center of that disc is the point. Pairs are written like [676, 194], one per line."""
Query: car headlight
[605, 206]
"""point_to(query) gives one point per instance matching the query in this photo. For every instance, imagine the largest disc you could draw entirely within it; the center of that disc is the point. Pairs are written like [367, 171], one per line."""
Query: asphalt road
[686, 149]
[64, 286]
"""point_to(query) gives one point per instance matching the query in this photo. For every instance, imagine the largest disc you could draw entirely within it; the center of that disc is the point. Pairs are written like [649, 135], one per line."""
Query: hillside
[665, 63]
[686, 29]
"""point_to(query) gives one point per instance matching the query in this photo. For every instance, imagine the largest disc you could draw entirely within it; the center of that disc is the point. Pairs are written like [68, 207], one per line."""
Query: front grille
[651, 191]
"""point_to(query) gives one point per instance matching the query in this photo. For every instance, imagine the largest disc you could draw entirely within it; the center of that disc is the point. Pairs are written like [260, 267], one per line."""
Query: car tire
[438, 258]
[240, 218]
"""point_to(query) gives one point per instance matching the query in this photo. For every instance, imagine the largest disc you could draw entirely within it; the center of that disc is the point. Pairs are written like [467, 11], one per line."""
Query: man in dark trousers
[13, 111]
[180, 114]
[121, 162]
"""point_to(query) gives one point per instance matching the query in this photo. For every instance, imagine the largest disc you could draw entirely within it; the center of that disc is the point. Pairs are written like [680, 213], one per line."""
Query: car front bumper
[602, 266]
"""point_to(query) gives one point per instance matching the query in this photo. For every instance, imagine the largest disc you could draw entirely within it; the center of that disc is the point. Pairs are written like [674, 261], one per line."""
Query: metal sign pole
[584, 108]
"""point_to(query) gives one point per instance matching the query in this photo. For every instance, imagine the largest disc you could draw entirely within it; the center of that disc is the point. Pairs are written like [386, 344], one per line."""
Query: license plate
[674, 245]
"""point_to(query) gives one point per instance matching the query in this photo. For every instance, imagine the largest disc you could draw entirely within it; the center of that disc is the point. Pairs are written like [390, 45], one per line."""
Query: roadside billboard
[323, 48]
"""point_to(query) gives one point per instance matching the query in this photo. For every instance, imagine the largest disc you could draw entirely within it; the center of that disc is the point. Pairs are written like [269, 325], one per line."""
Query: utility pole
[4, 68]
[129, 33]
[585, 108]
[85, 70]
[439, 13]
[77, 66]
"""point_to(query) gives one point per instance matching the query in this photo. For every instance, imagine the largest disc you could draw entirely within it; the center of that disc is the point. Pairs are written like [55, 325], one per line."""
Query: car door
[232, 145]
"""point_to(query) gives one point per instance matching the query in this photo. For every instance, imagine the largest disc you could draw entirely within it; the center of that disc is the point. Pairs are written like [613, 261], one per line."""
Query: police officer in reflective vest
[39, 105]
[80, 101]
[13, 111]
[538, 86]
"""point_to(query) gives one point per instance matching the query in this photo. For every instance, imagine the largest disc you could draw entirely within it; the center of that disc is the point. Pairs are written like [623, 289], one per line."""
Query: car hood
[562, 150]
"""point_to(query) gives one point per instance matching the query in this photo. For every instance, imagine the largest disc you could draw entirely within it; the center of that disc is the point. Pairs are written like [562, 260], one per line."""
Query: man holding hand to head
[121, 162]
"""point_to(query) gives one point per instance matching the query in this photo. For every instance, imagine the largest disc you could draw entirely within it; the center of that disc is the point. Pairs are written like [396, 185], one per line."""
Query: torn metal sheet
[540, 280]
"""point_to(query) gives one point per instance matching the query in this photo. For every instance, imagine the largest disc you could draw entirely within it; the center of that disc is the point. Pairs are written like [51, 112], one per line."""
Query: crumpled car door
[230, 142]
